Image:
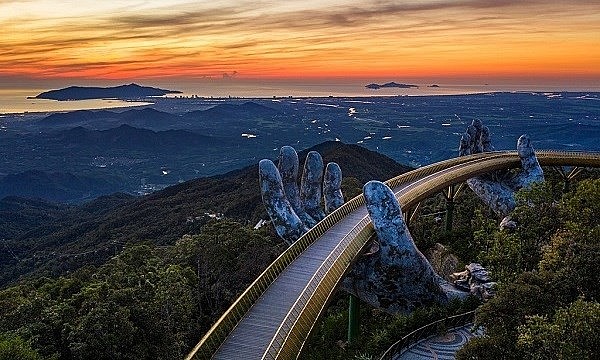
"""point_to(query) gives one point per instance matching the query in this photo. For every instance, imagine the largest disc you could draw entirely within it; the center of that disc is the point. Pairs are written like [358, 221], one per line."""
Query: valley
[145, 149]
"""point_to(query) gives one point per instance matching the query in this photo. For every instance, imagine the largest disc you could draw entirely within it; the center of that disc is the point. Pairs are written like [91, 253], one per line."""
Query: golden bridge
[274, 316]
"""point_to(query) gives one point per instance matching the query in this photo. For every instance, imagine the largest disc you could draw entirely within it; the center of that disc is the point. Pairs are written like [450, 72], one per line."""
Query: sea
[22, 101]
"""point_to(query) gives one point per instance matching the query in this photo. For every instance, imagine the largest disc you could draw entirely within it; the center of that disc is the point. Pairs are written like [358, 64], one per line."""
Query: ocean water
[15, 101]
[269, 89]
[278, 89]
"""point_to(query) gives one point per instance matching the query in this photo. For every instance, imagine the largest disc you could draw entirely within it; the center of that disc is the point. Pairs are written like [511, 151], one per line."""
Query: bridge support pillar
[450, 194]
[576, 170]
[410, 215]
[449, 214]
[353, 318]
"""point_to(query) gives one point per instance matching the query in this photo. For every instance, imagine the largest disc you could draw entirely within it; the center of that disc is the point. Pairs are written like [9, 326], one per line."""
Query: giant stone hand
[498, 189]
[396, 277]
[294, 210]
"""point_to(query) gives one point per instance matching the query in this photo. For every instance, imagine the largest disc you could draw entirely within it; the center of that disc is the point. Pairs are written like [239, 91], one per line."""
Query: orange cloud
[309, 39]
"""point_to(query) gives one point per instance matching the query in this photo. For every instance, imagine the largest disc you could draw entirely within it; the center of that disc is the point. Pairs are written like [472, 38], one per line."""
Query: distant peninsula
[390, 85]
[131, 91]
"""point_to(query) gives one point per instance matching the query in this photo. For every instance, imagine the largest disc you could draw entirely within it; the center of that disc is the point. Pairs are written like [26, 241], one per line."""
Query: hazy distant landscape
[78, 236]
[139, 150]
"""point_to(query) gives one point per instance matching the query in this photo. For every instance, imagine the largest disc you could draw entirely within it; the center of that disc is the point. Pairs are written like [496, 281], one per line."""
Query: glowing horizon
[435, 39]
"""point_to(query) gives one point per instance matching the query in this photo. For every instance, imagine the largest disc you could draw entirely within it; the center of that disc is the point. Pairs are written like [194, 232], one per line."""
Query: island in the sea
[131, 91]
[390, 85]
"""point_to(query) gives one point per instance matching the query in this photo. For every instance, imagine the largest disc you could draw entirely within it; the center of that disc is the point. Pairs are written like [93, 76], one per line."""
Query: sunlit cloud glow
[464, 39]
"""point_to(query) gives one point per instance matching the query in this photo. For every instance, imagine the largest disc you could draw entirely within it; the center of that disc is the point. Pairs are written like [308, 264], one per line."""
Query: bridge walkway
[275, 322]
[252, 336]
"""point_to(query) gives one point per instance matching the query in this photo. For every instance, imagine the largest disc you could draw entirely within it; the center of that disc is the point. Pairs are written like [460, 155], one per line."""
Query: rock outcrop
[476, 280]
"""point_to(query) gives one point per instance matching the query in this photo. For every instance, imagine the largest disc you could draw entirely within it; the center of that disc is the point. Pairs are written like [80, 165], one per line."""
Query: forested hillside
[82, 296]
[547, 306]
[48, 239]
[135, 278]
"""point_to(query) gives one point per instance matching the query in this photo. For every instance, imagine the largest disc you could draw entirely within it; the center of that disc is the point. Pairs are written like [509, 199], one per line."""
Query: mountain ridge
[161, 218]
[130, 138]
[54, 186]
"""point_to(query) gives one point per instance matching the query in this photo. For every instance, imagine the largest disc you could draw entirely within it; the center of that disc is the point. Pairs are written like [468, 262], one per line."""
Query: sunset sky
[430, 40]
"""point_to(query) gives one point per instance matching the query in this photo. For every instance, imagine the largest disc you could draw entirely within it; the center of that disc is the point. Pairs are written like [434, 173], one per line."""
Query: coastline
[22, 101]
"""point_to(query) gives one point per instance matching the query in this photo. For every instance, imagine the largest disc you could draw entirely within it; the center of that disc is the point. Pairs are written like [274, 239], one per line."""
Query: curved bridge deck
[251, 339]
[274, 316]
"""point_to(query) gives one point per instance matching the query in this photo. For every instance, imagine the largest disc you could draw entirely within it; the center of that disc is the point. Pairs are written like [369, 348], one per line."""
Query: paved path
[440, 347]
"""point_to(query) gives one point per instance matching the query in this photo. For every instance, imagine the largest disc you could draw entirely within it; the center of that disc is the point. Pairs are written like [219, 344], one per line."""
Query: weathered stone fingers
[294, 210]
[476, 139]
[486, 139]
[286, 222]
[395, 241]
[332, 187]
[531, 171]
[474, 130]
[288, 168]
[464, 148]
[497, 189]
[310, 186]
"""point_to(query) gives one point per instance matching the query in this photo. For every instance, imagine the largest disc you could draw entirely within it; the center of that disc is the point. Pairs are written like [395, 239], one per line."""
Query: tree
[572, 333]
[583, 205]
[552, 311]
[15, 348]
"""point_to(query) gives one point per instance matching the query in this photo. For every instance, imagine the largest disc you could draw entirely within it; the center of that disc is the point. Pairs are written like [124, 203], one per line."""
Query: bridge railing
[303, 316]
[209, 344]
[292, 333]
[426, 331]
[213, 339]
[433, 168]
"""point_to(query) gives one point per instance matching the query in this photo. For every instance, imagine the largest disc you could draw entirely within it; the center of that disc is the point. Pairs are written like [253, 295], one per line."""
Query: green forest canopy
[154, 302]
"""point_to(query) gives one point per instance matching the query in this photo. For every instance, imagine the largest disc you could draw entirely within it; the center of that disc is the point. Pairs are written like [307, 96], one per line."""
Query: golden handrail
[310, 305]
